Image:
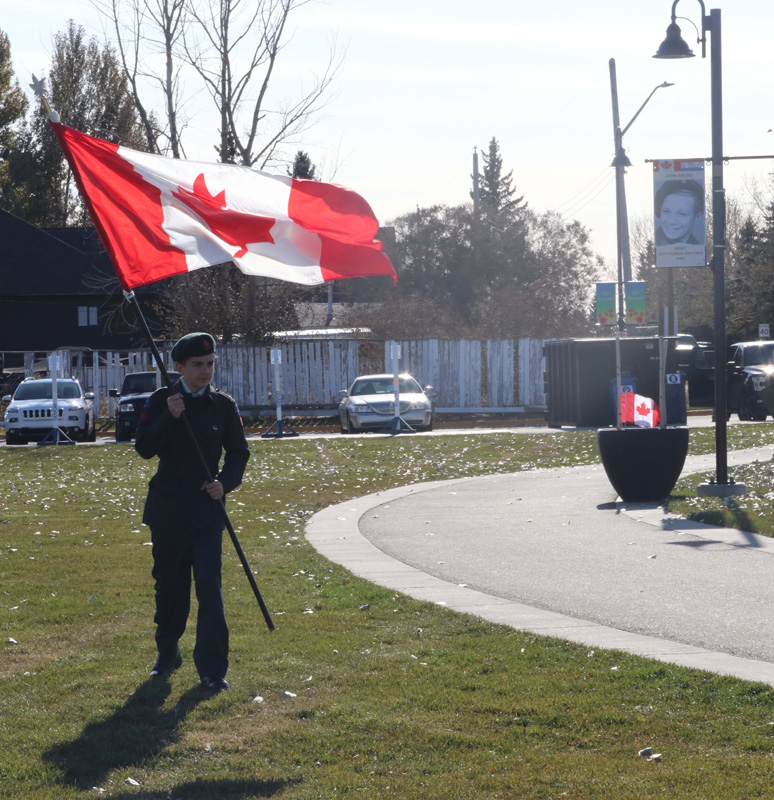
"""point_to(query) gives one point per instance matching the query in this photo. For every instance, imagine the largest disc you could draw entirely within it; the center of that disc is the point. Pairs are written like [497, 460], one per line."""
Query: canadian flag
[639, 410]
[160, 216]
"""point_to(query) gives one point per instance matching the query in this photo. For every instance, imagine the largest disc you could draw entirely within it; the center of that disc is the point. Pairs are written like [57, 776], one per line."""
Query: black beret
[192, 345]
[680, 186]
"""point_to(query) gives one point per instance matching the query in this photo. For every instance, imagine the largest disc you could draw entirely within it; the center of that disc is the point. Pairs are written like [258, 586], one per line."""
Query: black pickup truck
[750, 380]
[138, 386]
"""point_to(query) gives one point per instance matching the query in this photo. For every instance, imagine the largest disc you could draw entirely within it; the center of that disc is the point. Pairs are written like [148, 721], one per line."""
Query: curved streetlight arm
[647, 100]
[705, 25]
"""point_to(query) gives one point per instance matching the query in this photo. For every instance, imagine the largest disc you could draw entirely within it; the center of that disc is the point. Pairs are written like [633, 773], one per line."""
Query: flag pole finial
[38, 86]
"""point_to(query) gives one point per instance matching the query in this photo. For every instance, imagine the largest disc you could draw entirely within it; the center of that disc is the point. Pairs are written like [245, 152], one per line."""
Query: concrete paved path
[550, 551]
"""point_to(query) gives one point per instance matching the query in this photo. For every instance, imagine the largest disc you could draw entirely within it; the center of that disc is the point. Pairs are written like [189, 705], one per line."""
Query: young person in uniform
[181, 508]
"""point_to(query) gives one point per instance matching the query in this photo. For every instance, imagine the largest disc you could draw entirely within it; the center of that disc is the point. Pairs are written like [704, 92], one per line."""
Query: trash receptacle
[628, 384]
[676, 411]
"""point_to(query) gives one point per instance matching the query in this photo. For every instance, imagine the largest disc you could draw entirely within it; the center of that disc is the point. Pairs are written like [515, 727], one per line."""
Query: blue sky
[423, 82]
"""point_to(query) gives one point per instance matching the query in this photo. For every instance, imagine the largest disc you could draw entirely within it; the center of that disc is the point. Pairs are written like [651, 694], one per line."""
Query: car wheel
[121, 436]
[747, 411]
[92, 437]
[350, 429]
[12, 439]
[743, 409]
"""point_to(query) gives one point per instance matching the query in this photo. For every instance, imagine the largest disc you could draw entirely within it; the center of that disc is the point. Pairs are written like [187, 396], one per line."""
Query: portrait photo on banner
[679, 213]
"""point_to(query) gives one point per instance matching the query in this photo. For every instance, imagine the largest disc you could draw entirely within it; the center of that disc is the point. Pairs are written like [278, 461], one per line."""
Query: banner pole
[276, 390]
[398, 424]
[130, 297]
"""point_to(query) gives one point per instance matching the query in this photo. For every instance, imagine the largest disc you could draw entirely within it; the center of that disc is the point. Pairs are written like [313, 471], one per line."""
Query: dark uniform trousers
[186, 524]
[175, 552]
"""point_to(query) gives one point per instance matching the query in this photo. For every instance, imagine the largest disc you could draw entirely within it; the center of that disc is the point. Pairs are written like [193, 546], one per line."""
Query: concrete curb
[335, 533]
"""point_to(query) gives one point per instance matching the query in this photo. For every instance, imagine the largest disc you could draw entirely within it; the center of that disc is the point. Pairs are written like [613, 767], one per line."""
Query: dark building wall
[46, 275]
[47, 325]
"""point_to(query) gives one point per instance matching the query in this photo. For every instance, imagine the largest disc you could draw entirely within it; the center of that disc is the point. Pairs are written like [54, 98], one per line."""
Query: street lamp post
[620, 162]
[674, 46]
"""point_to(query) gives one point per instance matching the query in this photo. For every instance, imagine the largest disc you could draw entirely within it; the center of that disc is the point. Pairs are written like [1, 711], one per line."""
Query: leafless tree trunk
[233, 47]
[221, 39]
[145, 30]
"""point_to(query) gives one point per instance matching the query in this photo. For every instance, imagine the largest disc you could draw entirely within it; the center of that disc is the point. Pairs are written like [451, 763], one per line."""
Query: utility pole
[476, 191]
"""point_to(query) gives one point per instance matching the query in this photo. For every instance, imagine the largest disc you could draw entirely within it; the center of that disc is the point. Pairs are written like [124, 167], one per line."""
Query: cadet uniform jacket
[175, 496]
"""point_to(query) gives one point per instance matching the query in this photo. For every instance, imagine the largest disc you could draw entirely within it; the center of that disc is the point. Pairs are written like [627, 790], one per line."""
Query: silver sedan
[369, 404]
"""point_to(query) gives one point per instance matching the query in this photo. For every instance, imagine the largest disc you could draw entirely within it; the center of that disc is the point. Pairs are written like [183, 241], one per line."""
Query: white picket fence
[469, 376]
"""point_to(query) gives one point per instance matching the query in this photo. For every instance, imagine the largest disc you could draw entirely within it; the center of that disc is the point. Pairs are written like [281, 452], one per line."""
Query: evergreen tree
[496, 191]
[750, 292]
[499, 237]
[303, 167]
[13, 110]
[87, 87]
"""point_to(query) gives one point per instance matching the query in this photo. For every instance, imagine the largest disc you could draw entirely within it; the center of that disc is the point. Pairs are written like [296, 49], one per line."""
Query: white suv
[30, 413]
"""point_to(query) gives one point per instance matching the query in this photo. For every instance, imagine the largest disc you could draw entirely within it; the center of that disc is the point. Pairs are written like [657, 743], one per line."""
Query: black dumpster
[578, 373]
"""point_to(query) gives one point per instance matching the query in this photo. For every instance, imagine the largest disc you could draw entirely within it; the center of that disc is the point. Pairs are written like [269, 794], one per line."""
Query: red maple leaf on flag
[234, 227]
[643, 410]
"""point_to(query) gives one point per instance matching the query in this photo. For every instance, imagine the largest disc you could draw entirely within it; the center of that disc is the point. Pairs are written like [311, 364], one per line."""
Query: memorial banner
[680, 234]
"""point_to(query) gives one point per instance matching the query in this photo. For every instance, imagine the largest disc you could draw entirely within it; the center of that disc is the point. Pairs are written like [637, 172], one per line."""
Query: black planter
[643, 464]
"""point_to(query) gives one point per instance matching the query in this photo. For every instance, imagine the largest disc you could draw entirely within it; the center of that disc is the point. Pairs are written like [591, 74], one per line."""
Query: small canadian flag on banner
[639, 410]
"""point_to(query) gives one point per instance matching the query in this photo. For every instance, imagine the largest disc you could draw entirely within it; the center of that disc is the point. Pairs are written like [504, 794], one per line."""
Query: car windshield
[759, 354]
[138, 384]
[383, 386]
[68, 390]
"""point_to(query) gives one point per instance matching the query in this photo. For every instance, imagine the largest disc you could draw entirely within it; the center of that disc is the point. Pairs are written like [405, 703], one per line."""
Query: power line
[575, 209]
[587, 189]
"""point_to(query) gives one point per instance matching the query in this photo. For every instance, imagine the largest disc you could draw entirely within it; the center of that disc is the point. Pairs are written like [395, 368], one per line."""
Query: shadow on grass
[210, 790]
[134, 733]
[730, 517]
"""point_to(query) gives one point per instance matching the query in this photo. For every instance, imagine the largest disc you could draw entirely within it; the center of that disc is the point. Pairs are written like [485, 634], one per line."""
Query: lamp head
[674, 46]
[621, 159]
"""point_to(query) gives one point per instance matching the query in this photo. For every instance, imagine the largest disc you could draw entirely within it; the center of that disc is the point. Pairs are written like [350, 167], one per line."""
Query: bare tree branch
[215, 46]
[155, 26]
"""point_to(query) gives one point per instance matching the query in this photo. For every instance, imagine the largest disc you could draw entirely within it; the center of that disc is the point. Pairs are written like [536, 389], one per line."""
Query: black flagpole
[130, 297]
[39, 89]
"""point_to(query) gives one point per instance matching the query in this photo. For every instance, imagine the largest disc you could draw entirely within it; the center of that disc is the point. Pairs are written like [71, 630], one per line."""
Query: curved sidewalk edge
[335, 533]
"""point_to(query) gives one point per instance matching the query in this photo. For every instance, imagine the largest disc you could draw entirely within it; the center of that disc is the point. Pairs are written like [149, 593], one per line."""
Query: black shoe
[166, 665]
[214, 684]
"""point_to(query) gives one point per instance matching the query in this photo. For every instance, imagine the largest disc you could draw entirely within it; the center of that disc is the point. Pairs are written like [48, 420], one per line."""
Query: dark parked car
[750, 380]
[138, 386]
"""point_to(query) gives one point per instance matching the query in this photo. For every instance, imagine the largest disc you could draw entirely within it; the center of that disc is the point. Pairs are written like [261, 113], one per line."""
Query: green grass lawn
[364, 692]
[753, 511]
